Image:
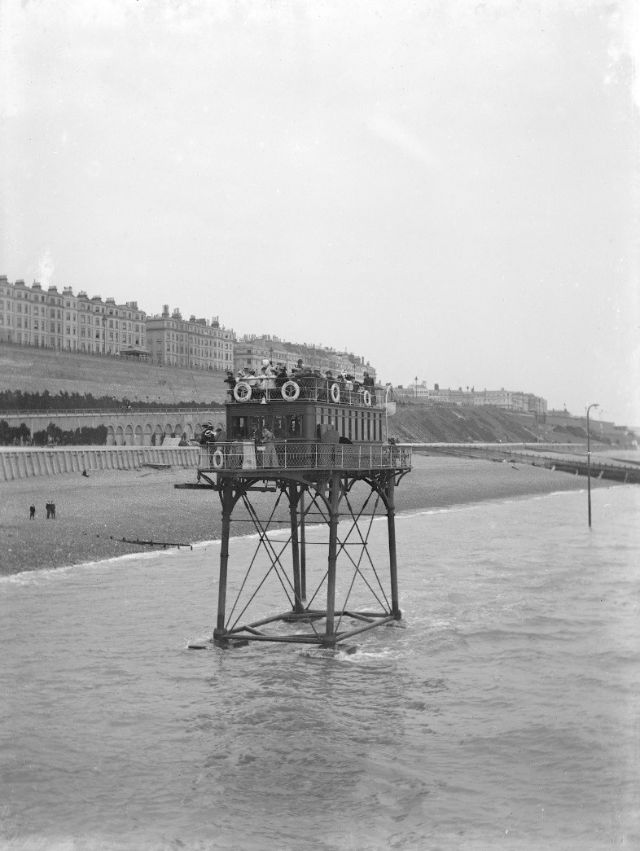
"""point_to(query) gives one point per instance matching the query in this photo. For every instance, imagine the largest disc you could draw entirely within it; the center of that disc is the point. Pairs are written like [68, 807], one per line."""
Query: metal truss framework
[325, 500]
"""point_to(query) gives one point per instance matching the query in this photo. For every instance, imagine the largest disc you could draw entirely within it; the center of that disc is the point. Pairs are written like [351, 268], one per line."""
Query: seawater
[503, 716]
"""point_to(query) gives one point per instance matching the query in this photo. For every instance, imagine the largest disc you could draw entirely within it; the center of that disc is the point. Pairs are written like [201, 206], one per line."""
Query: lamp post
[593, 405]
[386, 410]
[416, 386]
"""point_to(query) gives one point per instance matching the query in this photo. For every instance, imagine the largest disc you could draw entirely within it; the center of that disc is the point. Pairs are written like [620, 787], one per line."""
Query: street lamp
[416, 386]
[593, 405]
[386, 409]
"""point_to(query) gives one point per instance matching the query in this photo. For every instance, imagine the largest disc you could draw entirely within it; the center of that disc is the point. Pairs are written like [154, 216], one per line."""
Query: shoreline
[94, 513]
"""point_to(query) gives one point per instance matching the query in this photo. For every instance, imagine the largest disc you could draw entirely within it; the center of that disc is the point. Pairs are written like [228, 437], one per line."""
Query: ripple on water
[502, 716]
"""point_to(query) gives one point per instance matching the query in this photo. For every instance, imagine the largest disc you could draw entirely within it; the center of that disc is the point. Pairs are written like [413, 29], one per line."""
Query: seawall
[51, 461]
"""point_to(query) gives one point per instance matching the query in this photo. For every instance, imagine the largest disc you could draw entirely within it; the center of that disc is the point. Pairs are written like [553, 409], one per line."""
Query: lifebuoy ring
[366, 398]
[242, 391]
[218, 459]
[335, 392]
[290, 391]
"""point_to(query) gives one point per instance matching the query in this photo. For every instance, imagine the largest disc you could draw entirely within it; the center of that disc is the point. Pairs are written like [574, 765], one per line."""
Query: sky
[448, 188]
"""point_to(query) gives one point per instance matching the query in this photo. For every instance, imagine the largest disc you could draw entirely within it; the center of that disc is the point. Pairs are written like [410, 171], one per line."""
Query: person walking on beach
[32, 512]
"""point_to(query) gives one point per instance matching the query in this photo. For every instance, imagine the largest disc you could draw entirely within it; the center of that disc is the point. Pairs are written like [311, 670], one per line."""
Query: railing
[217, 409]
[305, 388]
[244, 455]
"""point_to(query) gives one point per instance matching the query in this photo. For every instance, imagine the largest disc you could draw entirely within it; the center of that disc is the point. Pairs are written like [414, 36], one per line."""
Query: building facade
[189, 343]
[33, 316]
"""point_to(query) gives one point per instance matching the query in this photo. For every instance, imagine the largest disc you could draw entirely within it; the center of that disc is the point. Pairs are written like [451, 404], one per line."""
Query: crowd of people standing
[270, 377]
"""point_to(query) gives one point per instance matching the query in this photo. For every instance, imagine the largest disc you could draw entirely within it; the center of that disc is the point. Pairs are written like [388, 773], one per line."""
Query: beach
[93, 514]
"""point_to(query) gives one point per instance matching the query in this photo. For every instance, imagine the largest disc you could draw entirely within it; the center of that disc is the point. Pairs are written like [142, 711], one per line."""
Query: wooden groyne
[28, 462]
[541, 455]
[616, 472]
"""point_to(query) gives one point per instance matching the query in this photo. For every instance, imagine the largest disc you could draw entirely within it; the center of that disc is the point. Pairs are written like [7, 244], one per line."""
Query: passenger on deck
[281, 375]
[325, 386]
[369, 384]
[208, 439]
[230, 381]
[267, 377]
[270, 457]
[298, 368]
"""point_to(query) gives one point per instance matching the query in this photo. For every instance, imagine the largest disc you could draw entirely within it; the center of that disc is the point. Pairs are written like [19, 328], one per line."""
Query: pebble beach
[94, 514]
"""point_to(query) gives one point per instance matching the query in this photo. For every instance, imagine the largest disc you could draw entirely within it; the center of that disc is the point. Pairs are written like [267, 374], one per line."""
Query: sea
[502, 712]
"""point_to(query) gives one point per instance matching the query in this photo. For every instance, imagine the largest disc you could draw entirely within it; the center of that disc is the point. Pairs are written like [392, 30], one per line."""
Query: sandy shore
[94, 513]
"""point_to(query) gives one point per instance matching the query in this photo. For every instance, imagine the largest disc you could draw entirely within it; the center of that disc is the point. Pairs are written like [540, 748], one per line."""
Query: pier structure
[305, 466]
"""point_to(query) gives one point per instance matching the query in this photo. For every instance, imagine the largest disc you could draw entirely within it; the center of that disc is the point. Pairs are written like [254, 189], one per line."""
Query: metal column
[334, 504]
[295, 547]
[303, 547]
[393, 563]
[227, 508]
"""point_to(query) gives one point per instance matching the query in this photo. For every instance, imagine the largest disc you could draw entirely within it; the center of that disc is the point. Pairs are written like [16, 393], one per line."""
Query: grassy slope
[441, 423]
[36, 370]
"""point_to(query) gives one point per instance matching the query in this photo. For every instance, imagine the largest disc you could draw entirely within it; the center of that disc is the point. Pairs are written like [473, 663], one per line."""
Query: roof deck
[244, 457]
[306, 387]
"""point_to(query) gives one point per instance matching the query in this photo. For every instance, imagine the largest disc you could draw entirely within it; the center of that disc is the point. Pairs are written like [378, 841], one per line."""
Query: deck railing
[306, 388]
[244, 455]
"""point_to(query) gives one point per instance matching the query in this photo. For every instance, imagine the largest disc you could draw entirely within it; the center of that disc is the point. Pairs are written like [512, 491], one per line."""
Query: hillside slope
[37, 370]
[436, 423]
[416, 423]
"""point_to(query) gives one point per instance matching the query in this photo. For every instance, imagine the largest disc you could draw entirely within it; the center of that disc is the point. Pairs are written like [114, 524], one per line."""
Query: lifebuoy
[366, 398]
[218, 459]
[290, 391]
[335, 392]
[242, 391]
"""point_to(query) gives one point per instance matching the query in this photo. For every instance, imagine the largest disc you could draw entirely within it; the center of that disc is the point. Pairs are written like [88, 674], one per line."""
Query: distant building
[190, 343]
[32, 316]
[508, 400]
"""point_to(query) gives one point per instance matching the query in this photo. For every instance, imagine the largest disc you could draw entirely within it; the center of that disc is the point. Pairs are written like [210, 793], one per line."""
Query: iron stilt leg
[227, 507]
[393, 564]
[303, 548]
[334, 500]
[295, 547]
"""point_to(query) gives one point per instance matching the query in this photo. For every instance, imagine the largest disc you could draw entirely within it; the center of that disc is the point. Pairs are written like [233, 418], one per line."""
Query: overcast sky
[448, 188]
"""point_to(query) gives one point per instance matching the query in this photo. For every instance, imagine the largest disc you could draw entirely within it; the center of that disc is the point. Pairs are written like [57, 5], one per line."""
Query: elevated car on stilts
[310, 442]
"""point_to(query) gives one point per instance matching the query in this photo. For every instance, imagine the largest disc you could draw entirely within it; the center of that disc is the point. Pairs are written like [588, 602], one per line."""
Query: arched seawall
[130, 428]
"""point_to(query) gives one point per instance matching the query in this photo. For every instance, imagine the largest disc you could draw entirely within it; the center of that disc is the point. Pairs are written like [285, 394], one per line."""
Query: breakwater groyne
[560, 458]
[25, 463]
